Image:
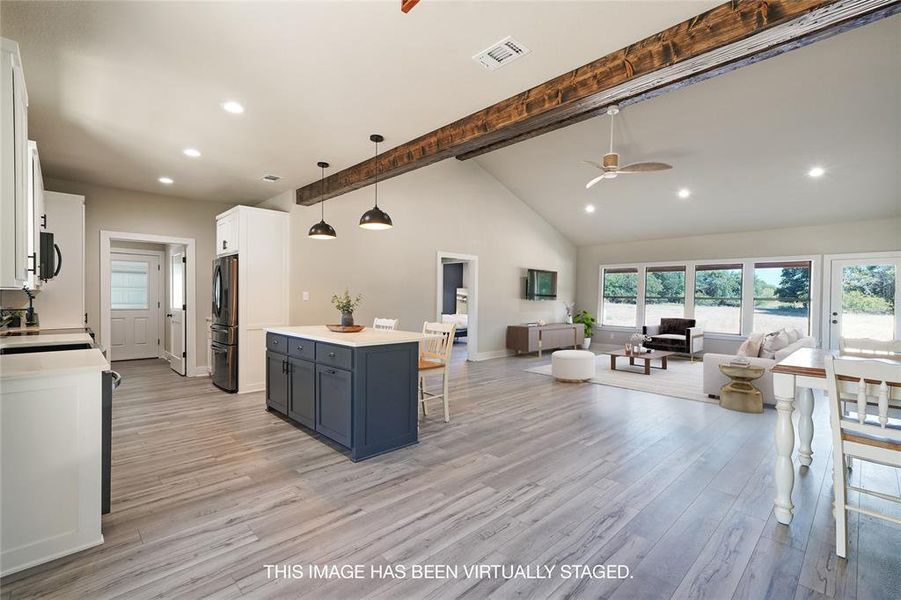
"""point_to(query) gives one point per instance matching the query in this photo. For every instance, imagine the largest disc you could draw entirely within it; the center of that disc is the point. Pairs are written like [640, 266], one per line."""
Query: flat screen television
[541, 285]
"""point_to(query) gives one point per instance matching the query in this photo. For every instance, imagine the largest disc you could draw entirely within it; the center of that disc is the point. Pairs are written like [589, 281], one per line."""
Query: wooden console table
[536, 338]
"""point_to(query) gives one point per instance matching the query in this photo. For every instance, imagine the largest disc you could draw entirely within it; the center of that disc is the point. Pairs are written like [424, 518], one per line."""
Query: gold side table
[739, 394]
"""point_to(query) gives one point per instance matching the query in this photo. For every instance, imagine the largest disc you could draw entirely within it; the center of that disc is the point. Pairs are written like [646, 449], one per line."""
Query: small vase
[347, 319]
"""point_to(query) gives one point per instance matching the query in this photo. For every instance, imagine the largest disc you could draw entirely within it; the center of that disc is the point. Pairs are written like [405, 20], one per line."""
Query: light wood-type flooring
[209, 487]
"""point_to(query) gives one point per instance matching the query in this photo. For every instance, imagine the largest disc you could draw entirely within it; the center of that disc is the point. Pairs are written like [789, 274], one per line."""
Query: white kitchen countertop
[45, 339]
[367, 337]
[45, 364]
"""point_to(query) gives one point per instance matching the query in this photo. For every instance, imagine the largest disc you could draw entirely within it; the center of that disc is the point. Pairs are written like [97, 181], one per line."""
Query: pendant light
[322, 230]
[375, 217]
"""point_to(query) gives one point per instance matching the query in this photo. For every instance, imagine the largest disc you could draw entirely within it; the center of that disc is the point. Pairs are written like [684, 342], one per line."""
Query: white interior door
[175, 310]
[864, 299]
[135, 306]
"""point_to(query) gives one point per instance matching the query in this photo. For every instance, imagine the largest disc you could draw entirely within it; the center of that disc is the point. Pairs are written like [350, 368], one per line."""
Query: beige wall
[837, 238]
[139, 212]
[451, 206]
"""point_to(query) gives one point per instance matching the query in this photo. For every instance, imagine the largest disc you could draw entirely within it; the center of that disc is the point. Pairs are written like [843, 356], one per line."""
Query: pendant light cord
[322, 190]
[612, 117]
[376, 174]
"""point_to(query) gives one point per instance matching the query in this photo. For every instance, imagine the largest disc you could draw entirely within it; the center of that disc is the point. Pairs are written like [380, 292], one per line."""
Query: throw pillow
[751, 346]
[773, 343]
[793, 334]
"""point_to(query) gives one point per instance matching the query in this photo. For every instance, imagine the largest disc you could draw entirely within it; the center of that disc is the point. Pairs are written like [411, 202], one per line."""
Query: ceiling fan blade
[645, 167]
[596, 165]
[595, 180]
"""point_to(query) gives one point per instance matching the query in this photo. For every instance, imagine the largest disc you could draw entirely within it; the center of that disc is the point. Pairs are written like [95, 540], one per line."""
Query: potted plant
[346, 306]
[587, 320]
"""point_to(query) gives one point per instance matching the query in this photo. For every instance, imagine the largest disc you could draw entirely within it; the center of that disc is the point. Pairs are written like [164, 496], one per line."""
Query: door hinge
[86, 317]
[157, 267]
[184, 355]
[157, 341]
[184, 307]
[157, 304]
[184, 259]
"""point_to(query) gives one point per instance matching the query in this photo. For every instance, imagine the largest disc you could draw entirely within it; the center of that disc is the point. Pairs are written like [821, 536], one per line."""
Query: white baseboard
[480, 356]
[199, 371]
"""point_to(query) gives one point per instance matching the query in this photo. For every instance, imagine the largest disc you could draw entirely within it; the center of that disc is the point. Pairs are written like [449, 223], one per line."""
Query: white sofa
[714, 380]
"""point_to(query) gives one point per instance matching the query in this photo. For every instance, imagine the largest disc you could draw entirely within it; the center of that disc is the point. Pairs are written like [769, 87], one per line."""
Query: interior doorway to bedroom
[457, 296]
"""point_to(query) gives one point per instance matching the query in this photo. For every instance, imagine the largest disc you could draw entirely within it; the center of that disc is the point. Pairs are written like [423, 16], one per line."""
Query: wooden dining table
[794, 379]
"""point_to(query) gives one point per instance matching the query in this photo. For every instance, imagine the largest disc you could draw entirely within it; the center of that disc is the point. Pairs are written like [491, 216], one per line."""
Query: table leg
[663, 362]
[805, 425]
[612, 363]
[631, 361]
[784, 470]
[647, 366]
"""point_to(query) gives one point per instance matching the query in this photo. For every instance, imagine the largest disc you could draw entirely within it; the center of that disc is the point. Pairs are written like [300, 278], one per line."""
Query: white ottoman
[572, 366]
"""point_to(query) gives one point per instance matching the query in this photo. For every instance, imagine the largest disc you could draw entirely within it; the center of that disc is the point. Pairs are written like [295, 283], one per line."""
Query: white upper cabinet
[14, 171]
[227, 233]
[37, 216]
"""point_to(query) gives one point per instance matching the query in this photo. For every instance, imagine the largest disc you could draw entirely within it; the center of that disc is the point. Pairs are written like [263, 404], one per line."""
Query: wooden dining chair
[386, 324]
[870, 346]
[867, 435]
[434, 358]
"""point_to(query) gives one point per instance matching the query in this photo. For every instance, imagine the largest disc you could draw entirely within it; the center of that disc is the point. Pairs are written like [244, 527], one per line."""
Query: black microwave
[51, 257]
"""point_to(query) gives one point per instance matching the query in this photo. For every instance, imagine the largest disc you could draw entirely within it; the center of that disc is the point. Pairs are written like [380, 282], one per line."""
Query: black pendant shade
[375, 217]
[322, 230]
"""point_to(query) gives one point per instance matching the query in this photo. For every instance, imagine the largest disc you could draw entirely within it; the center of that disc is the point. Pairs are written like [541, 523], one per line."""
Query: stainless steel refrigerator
[224, 328]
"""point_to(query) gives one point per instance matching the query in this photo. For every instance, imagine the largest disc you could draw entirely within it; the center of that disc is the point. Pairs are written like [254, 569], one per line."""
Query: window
[718, 298]
[664, 294]
[128, 284]
[620, 293]
[868, 301]
[781, 296]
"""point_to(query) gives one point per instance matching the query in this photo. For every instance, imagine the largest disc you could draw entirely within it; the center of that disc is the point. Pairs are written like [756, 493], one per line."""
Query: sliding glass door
[864, 299]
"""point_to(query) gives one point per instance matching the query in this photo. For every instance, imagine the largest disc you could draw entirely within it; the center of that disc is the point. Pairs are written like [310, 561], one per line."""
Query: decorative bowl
[345, 328]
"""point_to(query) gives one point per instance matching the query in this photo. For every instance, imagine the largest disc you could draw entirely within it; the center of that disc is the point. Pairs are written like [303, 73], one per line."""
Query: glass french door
[864, 299]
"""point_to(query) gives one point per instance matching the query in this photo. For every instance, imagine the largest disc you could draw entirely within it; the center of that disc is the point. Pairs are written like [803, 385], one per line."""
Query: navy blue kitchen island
[356, 389]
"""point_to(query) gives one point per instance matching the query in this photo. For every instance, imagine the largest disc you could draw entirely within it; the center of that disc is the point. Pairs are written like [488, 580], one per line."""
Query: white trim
[106, 239]
[472, 283]
[492, 354]
[747, 316]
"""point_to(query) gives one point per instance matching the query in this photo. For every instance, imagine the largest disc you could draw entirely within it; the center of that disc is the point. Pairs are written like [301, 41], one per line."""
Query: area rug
[681, 379]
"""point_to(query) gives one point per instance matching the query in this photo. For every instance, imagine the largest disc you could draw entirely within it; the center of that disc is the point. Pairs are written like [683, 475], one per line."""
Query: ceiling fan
[610, 162]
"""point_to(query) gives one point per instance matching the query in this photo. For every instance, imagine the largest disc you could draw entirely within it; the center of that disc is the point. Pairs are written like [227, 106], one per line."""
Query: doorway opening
[457, 299]
[147, 299]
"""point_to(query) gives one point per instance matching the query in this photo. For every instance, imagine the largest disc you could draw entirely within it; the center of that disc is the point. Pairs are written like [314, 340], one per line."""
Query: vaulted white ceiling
[118, 89]
[742, 143]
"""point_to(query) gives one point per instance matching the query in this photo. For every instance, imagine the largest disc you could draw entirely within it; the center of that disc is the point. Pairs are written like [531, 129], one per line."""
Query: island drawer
[335, 356]
[301, 348]
[277, 343]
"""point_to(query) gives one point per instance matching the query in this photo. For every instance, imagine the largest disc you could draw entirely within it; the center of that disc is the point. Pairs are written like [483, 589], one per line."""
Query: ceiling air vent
[498, 55]
[270, 178]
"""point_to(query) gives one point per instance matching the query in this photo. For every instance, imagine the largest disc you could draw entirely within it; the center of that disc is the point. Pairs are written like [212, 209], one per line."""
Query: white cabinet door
[227, 235]
[14, 175]
[36, 215]
[61, 301]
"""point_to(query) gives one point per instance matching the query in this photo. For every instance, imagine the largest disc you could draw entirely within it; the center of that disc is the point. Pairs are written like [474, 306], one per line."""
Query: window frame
[639, 290]
[747, 324]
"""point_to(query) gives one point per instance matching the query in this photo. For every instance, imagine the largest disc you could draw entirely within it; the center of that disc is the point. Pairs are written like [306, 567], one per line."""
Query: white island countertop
[367, 337]
[45, 364]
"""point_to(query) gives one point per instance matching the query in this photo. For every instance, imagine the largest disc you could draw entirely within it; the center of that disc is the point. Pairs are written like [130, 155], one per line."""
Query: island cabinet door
[334, 397]
[302, 407]
[277, 382]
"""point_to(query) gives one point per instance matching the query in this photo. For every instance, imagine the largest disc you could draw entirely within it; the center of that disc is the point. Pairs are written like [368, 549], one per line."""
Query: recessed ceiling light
[192, 152]
[166, 180]
[816, 172]
[684, 193]
[589, 208]
[233, 107]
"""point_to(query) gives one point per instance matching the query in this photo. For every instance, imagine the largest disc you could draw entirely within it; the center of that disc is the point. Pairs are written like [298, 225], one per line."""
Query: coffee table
[647, 357]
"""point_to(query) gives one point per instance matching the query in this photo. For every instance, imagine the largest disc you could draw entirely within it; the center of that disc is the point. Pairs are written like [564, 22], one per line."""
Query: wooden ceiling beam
[407, 5]
[718, 40]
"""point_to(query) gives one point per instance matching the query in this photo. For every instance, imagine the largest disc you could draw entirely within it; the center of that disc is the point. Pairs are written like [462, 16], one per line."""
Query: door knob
[169, 315]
